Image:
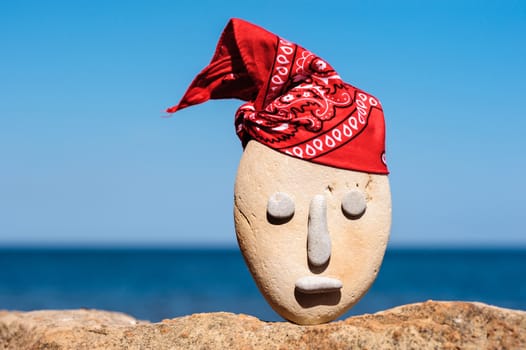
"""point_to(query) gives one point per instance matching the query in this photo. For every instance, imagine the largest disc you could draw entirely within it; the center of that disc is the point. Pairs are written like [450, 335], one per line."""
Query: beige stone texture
[430, 325]
[276, 254]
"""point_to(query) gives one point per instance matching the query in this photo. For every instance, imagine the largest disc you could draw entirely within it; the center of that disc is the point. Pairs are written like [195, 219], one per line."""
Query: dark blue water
[156, 284]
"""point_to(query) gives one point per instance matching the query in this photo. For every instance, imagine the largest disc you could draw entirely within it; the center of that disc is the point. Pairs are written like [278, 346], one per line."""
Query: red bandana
[298, 104]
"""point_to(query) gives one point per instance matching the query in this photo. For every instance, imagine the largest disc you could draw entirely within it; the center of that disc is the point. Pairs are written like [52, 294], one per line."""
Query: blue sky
[85, 158]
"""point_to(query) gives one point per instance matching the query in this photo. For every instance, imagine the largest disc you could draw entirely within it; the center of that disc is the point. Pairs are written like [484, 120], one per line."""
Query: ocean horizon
[156, 283]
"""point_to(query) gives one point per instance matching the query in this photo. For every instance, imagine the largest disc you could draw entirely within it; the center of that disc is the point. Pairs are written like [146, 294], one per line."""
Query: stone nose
[318, 238]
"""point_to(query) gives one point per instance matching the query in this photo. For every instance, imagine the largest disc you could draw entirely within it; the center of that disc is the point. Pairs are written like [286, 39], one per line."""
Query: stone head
[313, 236]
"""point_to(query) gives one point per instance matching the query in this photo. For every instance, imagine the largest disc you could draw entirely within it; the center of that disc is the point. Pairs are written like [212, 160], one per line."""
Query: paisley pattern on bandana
[314, 92]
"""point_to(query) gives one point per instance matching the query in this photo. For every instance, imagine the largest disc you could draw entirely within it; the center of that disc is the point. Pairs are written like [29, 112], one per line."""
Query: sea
[156, 284]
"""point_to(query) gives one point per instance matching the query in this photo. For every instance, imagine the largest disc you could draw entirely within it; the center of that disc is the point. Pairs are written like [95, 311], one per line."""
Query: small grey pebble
[354, 203]
[280, 206]
[318, 284]
[318, 238]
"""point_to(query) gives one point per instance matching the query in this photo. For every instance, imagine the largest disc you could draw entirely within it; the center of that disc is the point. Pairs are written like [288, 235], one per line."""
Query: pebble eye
[354, 204]
[280, 208]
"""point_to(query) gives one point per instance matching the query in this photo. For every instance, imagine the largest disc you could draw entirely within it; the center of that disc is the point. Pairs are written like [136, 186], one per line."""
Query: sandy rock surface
[429, 325]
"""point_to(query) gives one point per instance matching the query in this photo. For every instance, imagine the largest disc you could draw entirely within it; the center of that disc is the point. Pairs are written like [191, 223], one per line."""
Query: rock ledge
[429, 325]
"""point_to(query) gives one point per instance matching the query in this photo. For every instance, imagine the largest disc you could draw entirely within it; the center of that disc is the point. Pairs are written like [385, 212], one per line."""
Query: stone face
[430, 325]
[319, 239]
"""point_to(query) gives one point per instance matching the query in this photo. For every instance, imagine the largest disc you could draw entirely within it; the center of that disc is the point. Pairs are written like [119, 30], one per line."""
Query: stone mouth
[318, 284]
